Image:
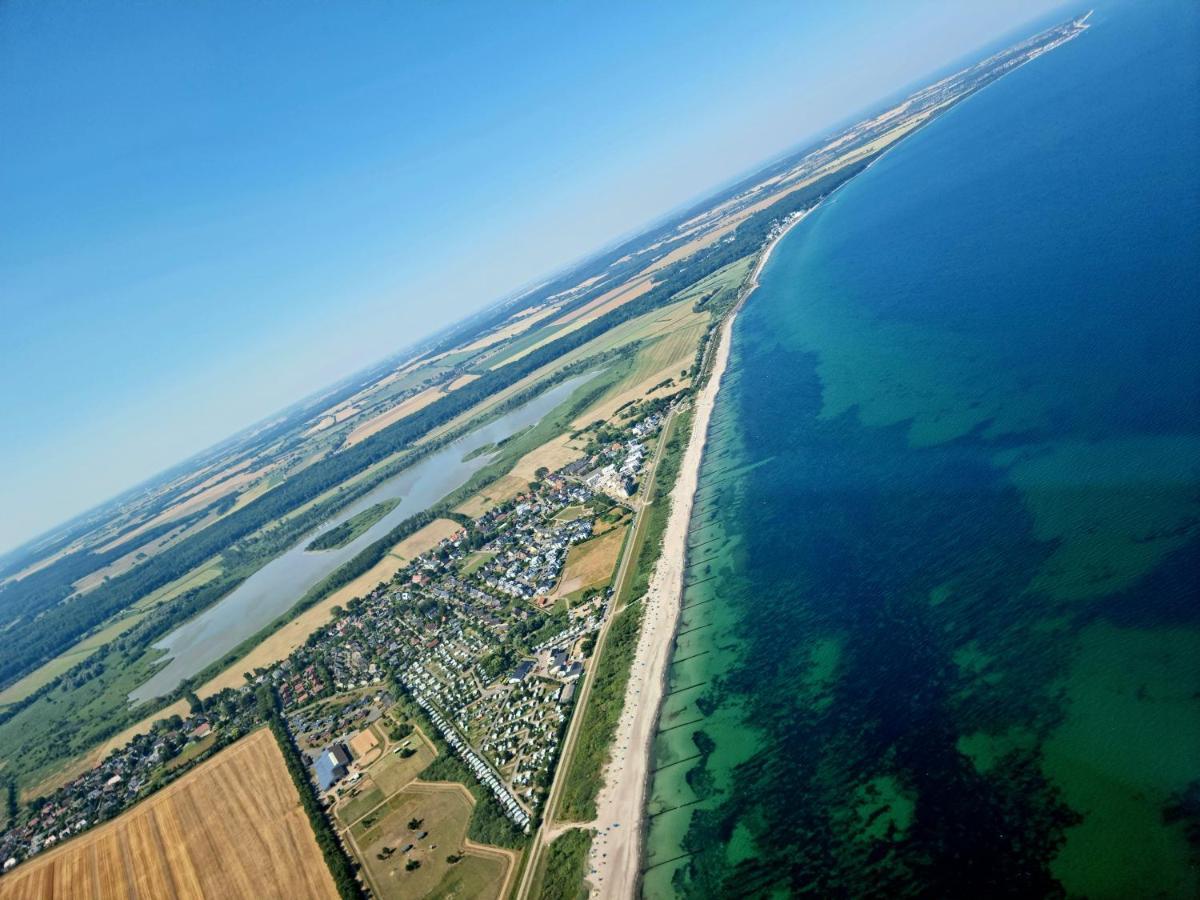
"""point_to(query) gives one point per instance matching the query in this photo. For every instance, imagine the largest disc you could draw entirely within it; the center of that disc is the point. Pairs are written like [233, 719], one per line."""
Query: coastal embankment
[616, 855]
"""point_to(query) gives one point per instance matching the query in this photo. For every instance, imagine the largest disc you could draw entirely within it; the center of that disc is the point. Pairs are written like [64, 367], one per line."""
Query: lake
[279, 585]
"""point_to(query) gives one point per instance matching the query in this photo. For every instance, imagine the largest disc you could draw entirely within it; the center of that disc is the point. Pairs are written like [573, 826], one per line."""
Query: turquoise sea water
[942, 630]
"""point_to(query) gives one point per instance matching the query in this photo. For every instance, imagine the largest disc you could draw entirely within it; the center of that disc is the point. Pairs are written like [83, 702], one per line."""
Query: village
[472, 631]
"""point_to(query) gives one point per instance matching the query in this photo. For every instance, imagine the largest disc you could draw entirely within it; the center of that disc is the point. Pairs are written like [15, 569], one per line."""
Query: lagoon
[276, 587]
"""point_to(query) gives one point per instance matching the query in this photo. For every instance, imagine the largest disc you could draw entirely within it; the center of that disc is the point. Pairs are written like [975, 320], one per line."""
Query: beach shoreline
[615, 860]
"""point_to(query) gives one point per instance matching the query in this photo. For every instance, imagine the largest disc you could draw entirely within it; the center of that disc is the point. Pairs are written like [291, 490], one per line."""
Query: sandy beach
[616, 857]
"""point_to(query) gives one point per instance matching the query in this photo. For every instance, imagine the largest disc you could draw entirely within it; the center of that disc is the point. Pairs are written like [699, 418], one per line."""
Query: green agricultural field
[722, 285]
[571, 512]
[475, 877]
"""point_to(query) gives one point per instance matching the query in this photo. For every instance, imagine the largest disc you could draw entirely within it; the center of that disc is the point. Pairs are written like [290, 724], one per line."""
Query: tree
[11, 805]
[266, 701]
[195, 704]
[415, 823]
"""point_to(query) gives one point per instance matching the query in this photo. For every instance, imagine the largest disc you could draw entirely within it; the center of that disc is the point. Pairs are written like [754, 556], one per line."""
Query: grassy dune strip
[607, 696]
[599, 726]
[651, 539]
[563, 868]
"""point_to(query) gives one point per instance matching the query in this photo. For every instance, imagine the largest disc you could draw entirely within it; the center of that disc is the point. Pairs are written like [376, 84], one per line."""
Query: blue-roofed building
[331, 766]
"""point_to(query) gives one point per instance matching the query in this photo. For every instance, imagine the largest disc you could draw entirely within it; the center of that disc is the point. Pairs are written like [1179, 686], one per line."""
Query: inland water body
[277, 586]
[941, 635]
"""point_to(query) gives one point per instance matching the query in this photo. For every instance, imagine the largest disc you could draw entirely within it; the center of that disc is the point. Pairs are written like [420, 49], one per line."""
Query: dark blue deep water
[942, 633]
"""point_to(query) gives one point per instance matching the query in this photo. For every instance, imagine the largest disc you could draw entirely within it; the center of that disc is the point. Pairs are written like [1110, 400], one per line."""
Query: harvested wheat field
[231, 828]
[406, 407]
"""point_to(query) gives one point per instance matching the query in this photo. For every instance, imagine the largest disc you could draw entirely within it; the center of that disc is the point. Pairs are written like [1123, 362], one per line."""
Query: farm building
[331, 766]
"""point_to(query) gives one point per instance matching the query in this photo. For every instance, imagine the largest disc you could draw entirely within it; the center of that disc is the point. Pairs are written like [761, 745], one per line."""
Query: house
[521, 671]
[331, 766]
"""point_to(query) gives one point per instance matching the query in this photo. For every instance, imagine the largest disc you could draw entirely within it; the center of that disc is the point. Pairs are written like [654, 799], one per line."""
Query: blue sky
[209, 210]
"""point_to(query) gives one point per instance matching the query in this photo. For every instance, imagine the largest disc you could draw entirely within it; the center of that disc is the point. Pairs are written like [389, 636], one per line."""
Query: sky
[210, 210]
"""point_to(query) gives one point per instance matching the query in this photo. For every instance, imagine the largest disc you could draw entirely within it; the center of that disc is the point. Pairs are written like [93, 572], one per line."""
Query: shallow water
[941, 635]
[280, 584]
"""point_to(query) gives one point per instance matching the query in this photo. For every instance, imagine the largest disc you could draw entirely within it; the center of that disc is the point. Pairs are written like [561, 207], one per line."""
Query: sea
[941, 625]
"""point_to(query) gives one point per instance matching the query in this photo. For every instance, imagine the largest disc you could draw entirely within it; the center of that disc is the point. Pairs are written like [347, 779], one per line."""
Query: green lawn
[471, 877]
[476, 561]
[369, 796]
[192, 750]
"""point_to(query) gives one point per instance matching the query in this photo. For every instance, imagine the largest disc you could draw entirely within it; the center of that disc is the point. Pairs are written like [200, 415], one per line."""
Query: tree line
[340, 867]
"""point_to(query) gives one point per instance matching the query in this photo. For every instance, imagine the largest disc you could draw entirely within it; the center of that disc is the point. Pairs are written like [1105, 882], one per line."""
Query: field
[554, 454]
[443, 811]
[591, 563]
[476, 561]
[582, 316]
[395, 414]
[404, 408]
[426, 539]
[377, 812]
[512, 329]
[231, 828]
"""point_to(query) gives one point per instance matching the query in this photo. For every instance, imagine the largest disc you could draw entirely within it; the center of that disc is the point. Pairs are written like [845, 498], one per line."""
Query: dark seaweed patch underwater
[942, 635]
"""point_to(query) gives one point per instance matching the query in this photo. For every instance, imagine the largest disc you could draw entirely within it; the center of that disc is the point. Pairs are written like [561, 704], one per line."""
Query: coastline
[615, 860]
